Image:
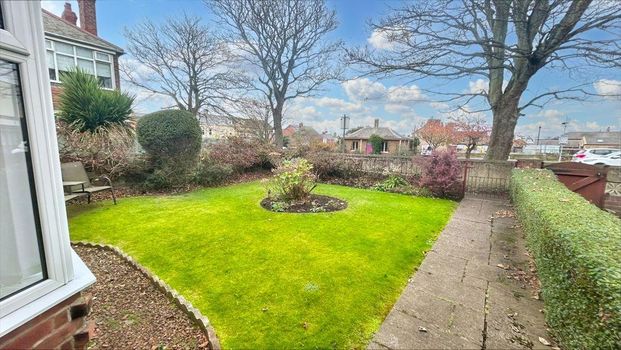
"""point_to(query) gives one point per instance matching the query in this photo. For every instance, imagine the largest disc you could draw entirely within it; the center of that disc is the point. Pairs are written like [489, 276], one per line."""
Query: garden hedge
[577, 249]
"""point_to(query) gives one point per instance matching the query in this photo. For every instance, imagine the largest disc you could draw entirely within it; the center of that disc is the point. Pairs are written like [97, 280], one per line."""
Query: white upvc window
[62, 56]
[38, 268]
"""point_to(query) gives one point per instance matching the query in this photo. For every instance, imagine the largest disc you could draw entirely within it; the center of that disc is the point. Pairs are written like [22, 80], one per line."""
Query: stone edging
[195, 315]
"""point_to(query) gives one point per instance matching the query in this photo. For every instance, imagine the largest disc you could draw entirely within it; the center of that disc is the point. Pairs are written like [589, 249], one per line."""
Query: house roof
[367, 132]
[58, 27]
[604, 138]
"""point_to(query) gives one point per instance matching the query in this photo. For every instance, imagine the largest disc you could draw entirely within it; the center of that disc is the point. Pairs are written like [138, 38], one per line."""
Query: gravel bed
[129, 312]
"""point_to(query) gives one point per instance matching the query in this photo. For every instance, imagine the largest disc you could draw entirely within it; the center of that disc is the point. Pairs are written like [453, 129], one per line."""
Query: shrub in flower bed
[293, 180]
[440, 173]
[577, 249]
[397, 184]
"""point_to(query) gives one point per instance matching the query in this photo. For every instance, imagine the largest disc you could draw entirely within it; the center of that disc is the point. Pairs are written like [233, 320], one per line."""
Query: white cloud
[550, 113]
[364, 89]
[404, 94]
[337, 104]
[478, 86]
[609, 88]
[380, 39]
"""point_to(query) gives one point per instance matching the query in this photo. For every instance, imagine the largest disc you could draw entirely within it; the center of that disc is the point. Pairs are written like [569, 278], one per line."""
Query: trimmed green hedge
[577, 249]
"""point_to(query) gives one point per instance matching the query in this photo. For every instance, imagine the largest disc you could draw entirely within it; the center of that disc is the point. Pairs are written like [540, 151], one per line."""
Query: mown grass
[275, 280]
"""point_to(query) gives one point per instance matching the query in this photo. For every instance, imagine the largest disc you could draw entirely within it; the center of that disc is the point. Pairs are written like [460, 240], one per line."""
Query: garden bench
[77, 182]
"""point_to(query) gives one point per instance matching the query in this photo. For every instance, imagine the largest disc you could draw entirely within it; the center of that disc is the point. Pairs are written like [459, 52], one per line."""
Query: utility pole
[562, 140]
[344, 126]
[538, 135]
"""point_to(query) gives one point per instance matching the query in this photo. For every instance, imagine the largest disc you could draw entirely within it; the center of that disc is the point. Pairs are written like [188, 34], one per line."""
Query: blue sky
[390, 100]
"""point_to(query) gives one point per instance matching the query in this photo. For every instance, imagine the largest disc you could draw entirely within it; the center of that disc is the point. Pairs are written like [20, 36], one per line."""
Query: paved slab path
[472, 291]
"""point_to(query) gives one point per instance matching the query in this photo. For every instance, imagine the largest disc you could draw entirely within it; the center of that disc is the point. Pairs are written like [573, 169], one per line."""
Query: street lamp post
[562, 140]
[344, 126]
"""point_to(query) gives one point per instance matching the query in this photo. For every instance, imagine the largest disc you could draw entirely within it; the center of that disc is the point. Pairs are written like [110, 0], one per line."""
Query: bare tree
[254, 119]
[182, 59]
[505, 42]
[284, 43]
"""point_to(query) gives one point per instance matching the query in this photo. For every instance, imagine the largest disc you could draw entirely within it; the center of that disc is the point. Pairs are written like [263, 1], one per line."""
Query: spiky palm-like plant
[86, 106]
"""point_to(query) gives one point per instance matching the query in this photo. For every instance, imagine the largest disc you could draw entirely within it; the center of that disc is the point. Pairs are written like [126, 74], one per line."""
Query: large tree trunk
[278, 138]
[503, 128]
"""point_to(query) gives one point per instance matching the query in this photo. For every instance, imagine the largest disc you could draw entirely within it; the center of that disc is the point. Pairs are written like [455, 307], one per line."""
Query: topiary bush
[577, 249]
[87, 107]
[172, 139]
[440, 173]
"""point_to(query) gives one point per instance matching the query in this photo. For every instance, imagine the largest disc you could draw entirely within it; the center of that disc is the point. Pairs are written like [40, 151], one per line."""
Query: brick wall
[63, 326]
[56, 89]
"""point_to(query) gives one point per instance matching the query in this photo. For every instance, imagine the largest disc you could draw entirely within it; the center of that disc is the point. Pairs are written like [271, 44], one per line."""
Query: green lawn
[275, 280]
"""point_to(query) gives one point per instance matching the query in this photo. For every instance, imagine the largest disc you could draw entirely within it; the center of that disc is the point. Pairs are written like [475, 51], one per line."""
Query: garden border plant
[576, 248]
[289, 190]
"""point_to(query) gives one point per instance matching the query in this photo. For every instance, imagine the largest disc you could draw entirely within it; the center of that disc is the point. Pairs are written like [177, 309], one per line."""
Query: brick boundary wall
[63, 326]
[195, 315]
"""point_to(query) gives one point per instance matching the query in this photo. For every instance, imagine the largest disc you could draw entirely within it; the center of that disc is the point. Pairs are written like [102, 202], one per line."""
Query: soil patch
[129, 312]
[313, 204]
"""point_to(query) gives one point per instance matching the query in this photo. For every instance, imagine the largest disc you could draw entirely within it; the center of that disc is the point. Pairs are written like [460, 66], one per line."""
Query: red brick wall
[61, 327]
[88, 16]
[56, 89]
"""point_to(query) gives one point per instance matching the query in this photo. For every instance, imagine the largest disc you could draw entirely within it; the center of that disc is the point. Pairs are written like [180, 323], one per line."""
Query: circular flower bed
[312, 204]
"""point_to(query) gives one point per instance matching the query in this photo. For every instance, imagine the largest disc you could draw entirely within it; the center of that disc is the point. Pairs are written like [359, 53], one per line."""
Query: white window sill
[83, 278]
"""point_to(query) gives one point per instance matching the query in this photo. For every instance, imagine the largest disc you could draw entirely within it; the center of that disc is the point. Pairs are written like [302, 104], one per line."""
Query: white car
[611, 159]
[593, 153]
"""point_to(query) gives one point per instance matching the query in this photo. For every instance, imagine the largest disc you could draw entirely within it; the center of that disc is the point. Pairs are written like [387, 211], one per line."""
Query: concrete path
[473, 290]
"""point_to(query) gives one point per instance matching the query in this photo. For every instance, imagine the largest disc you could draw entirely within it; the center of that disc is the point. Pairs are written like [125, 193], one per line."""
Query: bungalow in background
[68, 45]
[301, 135]
[393, 142]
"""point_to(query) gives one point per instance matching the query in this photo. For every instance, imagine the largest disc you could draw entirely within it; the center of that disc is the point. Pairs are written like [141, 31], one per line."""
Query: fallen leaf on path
[544, 341]
[422, 329]
[504, 267]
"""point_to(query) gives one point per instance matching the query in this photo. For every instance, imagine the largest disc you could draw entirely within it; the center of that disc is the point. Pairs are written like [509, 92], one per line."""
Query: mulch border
[193, 313]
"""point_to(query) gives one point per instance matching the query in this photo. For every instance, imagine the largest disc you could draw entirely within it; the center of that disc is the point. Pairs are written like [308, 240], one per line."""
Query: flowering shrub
[440, 173]
[293, 180]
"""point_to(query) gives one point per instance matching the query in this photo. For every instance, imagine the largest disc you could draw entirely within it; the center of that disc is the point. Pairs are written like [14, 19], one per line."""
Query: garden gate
[587, 180]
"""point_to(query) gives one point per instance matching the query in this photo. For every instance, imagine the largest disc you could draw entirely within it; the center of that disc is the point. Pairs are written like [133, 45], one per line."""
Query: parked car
[593, 153]
[611, 159]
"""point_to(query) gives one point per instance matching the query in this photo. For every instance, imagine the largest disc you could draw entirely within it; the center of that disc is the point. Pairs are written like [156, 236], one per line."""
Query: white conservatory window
[38, 268]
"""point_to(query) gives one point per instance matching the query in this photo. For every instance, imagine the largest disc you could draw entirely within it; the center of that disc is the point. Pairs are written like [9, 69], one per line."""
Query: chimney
[88, 16]
[301, 125]
[68, 14]
[376, 125]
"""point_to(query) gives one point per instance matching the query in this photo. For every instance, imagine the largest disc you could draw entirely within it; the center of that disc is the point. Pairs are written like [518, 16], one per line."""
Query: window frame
[75, 57]
[22, 42]
[355, 145]
[384, 149]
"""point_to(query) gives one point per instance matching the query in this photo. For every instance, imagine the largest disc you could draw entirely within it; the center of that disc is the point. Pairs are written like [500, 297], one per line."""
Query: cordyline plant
[293, 180]
[87, 107]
